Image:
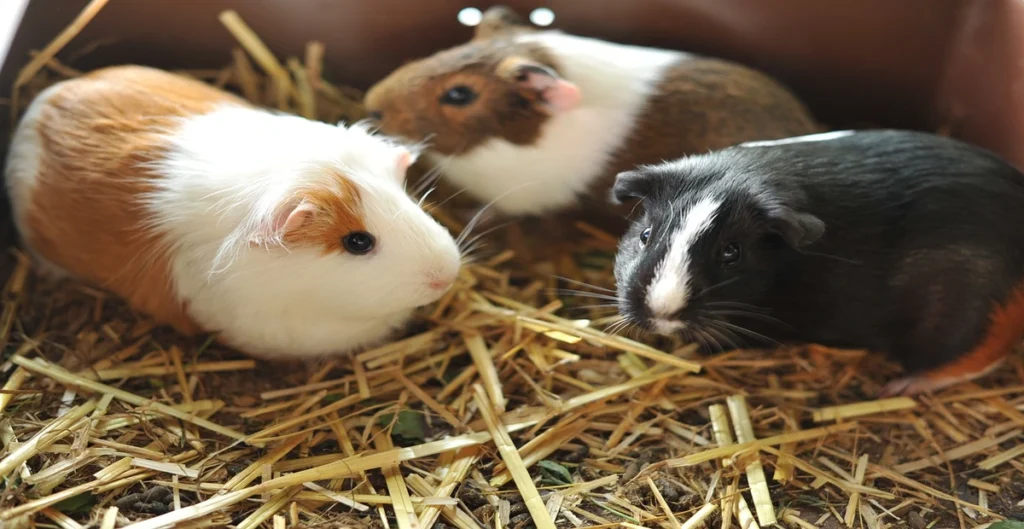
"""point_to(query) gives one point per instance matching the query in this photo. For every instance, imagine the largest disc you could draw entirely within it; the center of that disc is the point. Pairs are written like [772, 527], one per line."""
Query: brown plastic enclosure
[926, 64]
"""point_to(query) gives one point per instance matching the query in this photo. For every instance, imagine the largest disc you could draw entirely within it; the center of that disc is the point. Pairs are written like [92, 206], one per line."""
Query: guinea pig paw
[914, 385]
[897, 388]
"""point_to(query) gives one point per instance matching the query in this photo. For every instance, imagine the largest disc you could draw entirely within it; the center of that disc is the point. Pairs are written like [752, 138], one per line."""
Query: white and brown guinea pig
[540, 121]
[898, 242]
[286, 236]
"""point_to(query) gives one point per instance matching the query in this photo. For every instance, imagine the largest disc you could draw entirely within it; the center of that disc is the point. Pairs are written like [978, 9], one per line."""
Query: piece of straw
[861, 409]
[698, 519]
[57, 373]
[790, 437]
[29, 71]
[510, 455]
[755, 472]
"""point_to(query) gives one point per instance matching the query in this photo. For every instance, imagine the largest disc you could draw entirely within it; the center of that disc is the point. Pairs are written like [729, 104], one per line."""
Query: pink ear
[404, 161]
[562, 95]
[287, 220]
[558, 94]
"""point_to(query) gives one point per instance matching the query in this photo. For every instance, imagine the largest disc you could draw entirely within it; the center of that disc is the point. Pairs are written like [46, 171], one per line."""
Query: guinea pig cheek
[338, 212]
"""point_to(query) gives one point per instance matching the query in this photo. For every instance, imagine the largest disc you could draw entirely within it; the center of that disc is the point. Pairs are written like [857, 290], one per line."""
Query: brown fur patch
[703, 104]
[338, 214]
[409, 104]
[85, 215]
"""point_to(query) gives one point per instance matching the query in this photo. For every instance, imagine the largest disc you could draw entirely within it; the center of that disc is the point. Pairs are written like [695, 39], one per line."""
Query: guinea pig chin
[666, 327]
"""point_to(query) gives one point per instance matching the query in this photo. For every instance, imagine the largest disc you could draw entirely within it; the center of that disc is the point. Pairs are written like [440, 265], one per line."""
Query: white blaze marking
[669, 291]
[823, 136]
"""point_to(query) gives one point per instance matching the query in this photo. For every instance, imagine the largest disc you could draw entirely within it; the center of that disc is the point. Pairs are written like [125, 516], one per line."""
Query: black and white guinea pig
[898, 242]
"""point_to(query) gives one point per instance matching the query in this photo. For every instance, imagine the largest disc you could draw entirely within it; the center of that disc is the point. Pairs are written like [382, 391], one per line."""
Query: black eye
[729, 254]
[458, 96]
[644, 237]
[358, 242]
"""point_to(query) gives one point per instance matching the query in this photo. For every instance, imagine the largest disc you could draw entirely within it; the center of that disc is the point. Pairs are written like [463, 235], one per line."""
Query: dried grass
[498, 409]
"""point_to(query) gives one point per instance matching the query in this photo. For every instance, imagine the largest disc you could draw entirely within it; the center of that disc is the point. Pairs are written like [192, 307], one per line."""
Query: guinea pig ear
[630, 185]
[539, 81]
[498, 19]
[288, 218]
[405, 161]
[798, 229]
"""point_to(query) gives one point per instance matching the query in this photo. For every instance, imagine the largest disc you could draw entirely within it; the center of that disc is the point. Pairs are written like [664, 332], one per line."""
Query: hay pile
[504, 407]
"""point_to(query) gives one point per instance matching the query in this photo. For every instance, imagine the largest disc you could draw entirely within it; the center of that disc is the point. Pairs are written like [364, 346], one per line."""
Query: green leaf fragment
[80, 504]
[410, 425]
[554, 472]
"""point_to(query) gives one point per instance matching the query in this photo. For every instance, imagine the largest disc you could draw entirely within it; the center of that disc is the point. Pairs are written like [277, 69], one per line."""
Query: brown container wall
[909, 63]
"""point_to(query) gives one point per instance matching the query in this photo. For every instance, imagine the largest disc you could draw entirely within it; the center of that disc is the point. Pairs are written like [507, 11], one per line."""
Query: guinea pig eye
[458, 96]
[358, 242]
[729, 254]
[644, 237]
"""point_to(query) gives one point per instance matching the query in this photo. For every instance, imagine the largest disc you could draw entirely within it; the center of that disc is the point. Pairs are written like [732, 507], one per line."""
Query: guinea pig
[284, 236]
[540, 121]
[897, 242]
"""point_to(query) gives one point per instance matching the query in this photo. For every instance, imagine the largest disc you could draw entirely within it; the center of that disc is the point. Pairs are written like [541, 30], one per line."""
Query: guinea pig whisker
[830, 256]
[425, 195]
[582, 284]
[717, 286]
[617, 326]
[738, 329]
[432, 207]
[584, 294]
[479, 214]
[472, 254]
[736, 305]
[697, 335]
[633, 209]
[470, 225]
[591, 307]
[751, 315]
[432, 176]
[724, 336]
[486, 232]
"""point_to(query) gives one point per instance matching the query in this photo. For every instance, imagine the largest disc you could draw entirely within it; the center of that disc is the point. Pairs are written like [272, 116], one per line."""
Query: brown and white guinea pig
[286, 236]
[540, 121]
[902, 243]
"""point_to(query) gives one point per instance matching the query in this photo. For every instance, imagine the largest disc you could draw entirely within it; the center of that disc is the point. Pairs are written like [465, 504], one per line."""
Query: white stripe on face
[669, 291]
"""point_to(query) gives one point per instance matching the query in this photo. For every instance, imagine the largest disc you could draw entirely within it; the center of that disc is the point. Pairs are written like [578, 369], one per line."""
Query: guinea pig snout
[666, 326]
[375, 115]
[441, 282]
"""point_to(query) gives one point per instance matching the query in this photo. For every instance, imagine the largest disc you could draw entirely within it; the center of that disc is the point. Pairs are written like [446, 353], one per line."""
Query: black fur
[894, 241]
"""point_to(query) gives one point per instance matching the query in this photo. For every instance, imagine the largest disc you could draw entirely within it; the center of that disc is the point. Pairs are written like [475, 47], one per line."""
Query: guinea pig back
[75, 187]
[285, 236]
[540, 121]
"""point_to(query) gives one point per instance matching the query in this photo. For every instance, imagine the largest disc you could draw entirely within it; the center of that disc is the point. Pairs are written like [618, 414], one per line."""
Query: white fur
[669, 291]
[226, 174]
[615, 81]
[821, 136]
[21, 171]
[224, 177]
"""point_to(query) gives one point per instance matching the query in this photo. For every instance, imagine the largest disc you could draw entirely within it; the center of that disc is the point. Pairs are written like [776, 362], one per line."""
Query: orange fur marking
[338, 214]
[1005, 330]
[84, 214]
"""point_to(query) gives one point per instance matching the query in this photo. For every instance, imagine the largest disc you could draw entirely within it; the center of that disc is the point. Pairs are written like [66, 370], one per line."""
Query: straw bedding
[505, 405]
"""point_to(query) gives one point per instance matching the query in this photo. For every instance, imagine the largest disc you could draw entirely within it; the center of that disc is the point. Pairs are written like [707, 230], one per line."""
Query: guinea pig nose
[375, 115]
[440, 283]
